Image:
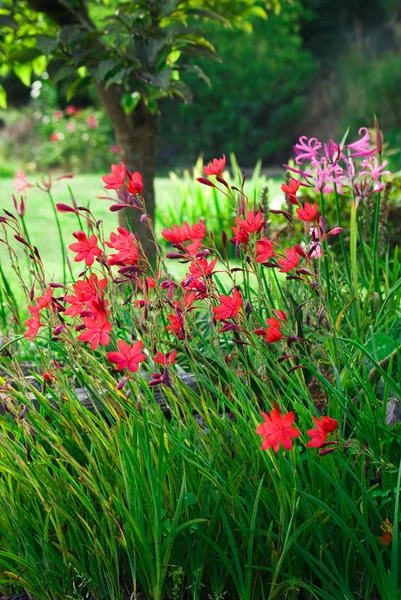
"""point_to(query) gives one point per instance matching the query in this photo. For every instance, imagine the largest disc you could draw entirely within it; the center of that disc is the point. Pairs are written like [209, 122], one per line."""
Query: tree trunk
[136, 136]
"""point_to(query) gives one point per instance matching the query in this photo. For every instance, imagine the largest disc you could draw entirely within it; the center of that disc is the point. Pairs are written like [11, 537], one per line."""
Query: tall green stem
[376, 243]
[354, 260]
[60, 235]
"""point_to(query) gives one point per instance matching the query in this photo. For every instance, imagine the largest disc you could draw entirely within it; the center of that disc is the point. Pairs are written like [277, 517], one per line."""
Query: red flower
[264, 250]
[289, 263]
[135, 184]
[97, 331]
[165, 359]
[86, 292]
[201, 268]
[291, 190]
[230, 306]
[198, 230]
[216, 167]
[319, 435]
[44, 301]
[177, 235]
[240, 236]
[280, 314]
[54, 137]
[387, 536]
[277, 429]
[117, 177]
[128, 356]
[252, 223]
[33, 323]
[308, 212]
[127, 246]
[271, 333]
[176, 325]
[86, 248]
[71, 110]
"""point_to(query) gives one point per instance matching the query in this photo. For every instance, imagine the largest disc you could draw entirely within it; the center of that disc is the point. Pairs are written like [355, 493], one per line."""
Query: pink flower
[117, 177]
[20, 182]
[128, 356]
[97, 331]
[114, 148]
[361, 146]
[325, 174]
[135, 183]
[70, 126]
[58, 114]
[371, 167]
[85, 247]
[315, 250]
[54, 137]
[92, 122]
[71, 110]
[216, 167]
[306, 149]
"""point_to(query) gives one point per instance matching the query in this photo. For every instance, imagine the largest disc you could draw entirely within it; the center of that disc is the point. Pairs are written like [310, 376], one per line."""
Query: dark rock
[393, 411]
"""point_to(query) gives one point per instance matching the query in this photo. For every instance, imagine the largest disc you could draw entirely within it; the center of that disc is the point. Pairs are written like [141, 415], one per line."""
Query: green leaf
[24, 55]
[46, 44]
[118, 77]
[39, 64]
[8, 21]
[3, 98]
[168, 7]
[198, 71]
[152, 50]
[204, 13]
[161, 80]
[189, 498]
[64, 72]
[105, 66]
[70, 34]
[173, 57]
[23, 72]
[130, 102]
[180, 89]
[78, 84]
[381, 345]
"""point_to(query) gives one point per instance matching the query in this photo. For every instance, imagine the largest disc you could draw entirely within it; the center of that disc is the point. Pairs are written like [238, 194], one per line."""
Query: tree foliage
[143, 46]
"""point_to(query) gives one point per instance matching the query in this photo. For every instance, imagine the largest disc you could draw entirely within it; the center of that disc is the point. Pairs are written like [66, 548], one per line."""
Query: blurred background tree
[134, 53]
[315, 66]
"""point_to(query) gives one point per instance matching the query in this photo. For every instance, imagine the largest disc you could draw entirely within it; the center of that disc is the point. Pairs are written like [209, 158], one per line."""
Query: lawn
[177, 200]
